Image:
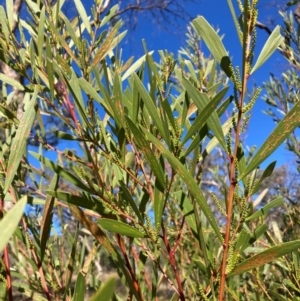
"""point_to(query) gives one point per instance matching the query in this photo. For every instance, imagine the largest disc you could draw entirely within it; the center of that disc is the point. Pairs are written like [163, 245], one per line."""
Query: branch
[264, 27]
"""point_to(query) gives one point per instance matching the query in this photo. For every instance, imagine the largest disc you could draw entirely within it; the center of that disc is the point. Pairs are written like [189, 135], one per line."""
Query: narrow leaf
[280, 133]
[120, 228]
[47, 216]
[61, 171]
[236, 23]
[106, 290]
[150, 105]
[10, 13]
[81, 10]
[213, 43]
[89, 202]
[109, 15]
[71, 262]
[14, 83]
[20, 141]
[208, 109]
[126, 195]
[10, 222]
[144, 147]
[106, 46]
[266, 257]
[189, 181]
[79, 290]
[158, 206]
[135, 66]
[273, 42]
[264, 210]
[202, 102]
[95, 230]
[267, 173]
[41, 38]
[63, 42]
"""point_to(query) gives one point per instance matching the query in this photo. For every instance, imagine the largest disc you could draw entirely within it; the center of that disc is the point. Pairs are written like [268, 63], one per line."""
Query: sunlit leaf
[40, 38]
[10, 222]
[135, 66]
[47, 216]
[107, 46]
[10, 12]
[264, 210]
[273, 42]
[14, 83]
[81, 10]
[265, 257]
[280, 133]
[109, 15]
[213, 43]
[20, 141]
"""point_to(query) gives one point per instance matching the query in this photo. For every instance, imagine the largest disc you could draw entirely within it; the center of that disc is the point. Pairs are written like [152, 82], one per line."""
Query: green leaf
[191, 184]
[126, 195]
[66, 136]
[40, 37]
[135, 66]
[207, 112]
[62, 172]
[47, 216]
[109, 15]
[70, 29]
[79, 290]
[106, 290]
[213, 43]
[276, 296]
[71, 262]
[265, 257]
[264, 210]
[267, 173]
[151, 107]
[144, 147]
[20, 140]
[14, 83]
[49, 69]
[81, 10]
[273, 42]
[88, 223]
[120, 228]
[280, 133]
[3, 22]
[158, 206]
[10, 222]
[201, 100]
[81, 201]
[109, 43]
[117, 103]
[236, 23]
[10, 13]
[90, 90]
[64, 44]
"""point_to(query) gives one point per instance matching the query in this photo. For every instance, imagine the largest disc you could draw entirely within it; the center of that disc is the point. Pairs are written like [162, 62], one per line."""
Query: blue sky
[217, 13]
